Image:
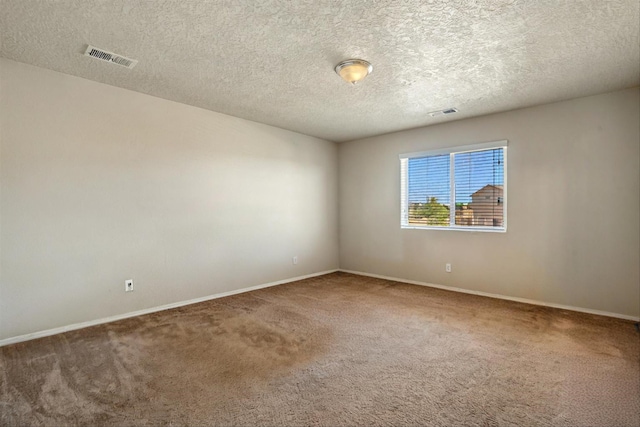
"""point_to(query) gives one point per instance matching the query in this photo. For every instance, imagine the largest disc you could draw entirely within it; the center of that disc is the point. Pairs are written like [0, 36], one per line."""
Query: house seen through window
[459, 188]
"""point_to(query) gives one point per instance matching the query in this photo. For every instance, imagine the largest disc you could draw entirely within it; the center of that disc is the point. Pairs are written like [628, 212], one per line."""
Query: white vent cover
[106, 56]
[443, 112]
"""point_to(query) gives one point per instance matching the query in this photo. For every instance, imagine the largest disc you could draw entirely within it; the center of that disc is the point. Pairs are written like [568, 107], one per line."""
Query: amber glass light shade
[354, 70]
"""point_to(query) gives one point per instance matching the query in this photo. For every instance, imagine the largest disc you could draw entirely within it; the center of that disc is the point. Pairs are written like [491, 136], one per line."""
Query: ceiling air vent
[106, 56]
[443, 112]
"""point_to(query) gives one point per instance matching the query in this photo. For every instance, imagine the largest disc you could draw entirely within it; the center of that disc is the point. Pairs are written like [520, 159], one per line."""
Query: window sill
[471, 229]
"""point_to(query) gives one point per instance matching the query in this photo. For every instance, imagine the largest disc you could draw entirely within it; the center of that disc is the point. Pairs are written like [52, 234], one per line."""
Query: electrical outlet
[447, 268]
[294, 260]
[128, 285]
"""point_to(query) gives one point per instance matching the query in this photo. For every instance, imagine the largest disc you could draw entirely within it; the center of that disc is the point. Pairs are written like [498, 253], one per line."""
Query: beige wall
[573, 233]
[100, 184]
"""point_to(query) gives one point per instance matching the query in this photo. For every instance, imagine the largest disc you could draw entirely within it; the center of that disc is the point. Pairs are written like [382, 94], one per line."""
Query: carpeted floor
[334, 350]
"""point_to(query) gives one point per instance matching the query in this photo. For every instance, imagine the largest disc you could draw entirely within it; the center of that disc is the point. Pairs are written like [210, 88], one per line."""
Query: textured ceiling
[272, 61]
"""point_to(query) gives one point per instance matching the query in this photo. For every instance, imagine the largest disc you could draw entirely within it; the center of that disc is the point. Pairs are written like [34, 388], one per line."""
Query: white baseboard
[75, 326]
[498, 296]
[59, 330]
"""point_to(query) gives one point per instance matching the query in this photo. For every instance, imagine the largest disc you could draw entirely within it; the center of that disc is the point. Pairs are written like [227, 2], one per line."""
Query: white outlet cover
[128, 285]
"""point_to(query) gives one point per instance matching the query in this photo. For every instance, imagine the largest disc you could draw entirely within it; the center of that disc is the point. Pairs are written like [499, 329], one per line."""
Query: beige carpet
[334, 350]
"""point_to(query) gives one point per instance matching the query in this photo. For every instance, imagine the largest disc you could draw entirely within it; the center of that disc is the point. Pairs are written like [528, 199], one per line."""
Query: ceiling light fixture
[354, 70]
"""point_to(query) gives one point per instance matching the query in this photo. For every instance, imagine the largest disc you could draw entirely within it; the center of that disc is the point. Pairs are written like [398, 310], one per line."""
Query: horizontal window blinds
[455, 189]
[429, 190]
[479, 188]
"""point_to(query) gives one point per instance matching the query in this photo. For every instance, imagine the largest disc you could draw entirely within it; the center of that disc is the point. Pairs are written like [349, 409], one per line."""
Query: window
[471, 179]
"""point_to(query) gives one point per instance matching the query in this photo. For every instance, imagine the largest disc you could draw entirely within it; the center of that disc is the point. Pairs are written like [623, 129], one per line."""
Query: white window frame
[404, 186]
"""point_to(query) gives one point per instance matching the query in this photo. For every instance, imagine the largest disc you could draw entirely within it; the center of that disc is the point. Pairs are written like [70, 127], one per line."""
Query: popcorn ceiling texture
[272, 61]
